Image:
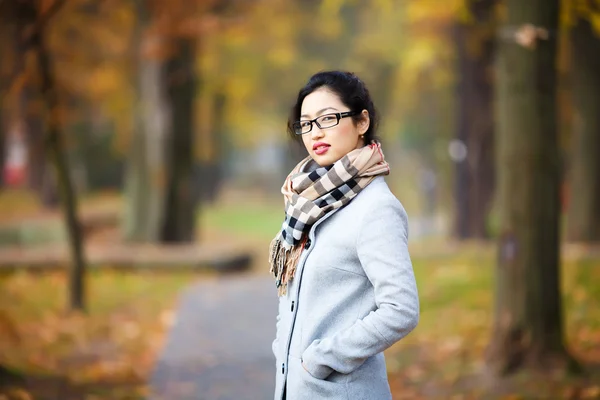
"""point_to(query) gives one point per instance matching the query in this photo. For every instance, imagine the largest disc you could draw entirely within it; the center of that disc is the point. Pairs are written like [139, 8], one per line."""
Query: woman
[341, 264]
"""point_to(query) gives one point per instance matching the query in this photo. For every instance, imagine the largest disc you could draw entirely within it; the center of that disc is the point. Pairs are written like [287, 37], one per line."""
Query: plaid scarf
[309, 195]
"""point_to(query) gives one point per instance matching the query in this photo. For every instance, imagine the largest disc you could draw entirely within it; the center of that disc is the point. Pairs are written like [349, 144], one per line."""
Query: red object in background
[14, 170]
[13, 175]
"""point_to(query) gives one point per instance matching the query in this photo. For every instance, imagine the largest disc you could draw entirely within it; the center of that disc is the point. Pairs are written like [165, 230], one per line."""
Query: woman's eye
[305, 124]
[328, 118]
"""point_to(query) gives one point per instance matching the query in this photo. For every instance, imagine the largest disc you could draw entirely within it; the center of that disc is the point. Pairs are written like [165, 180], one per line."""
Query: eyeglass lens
[324, 121]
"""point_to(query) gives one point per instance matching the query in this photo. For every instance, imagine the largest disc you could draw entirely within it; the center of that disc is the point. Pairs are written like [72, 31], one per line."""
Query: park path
[220, 345]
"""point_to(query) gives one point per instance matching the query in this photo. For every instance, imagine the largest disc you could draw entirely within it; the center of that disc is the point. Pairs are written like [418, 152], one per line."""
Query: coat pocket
[301, 385]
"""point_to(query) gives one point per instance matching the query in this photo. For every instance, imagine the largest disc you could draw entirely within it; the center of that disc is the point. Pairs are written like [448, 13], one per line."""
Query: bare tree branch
[41, 22]
[54, 8]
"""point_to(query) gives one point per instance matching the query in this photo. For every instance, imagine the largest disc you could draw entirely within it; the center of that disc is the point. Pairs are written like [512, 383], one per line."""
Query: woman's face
[328, 145]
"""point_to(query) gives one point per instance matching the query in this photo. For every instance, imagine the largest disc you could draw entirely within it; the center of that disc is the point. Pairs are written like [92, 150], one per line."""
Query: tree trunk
[59, 158]
[180, 206]
[584, 204]
[528, 316]
[220, 156]
[40, 176]
[161, 200]
[474, 183]
[145, 181]
[462, 176]
[2, 148]
[136, 214]
[211, 169]
[7, 30]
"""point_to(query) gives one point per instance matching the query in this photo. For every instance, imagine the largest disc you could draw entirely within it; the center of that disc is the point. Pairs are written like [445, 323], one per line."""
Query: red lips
[320, 148]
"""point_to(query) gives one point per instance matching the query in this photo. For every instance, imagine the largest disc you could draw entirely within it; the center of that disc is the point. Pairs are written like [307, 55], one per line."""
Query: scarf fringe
[283, 263]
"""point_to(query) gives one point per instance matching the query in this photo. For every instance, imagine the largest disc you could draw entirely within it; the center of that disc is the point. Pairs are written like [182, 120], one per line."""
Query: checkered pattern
[310, 195]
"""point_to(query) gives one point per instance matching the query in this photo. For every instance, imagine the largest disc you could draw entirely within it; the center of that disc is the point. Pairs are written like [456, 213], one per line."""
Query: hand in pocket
[304, 366]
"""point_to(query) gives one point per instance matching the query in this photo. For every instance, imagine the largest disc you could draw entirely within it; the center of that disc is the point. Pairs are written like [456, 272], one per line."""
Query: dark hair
[351, 91]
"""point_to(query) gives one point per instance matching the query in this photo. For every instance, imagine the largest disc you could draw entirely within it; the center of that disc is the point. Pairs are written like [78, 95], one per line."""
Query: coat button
[282, 368]
[307, 244]
[292, 306]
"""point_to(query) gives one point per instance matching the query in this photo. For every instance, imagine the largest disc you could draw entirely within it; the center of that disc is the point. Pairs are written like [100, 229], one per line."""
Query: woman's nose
[316, 132]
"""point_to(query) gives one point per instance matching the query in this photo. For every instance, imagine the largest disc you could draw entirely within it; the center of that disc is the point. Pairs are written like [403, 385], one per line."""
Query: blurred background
[143, 146]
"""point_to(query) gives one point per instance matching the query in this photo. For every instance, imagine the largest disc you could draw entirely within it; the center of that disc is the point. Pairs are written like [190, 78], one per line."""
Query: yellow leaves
[103, 80]
[247, 123]
[330, 25]
[591, 392]
[280, 51]
[464, 14]
[384, 6]
[8, 329]
[281, 56]
[87, 46]
[237, 37]
[109, 88]
[573, 10]
[16, 394]
[331, 8]
[428, 45]
[582, 7]
[430, 10]
[595, 21]
[119, 339]
[124, 16]
[239, 88]
[418, 58]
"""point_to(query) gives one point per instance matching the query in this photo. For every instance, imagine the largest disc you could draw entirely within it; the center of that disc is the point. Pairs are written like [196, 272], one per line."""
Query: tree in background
[475, 44]
[146, 181]
[528, 328]
[584, 197]
[23, 113]
[159, 199]
[32, 19]
[162, 196]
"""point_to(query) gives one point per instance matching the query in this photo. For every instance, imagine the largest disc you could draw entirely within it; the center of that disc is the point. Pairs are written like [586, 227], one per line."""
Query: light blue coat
[353, 295]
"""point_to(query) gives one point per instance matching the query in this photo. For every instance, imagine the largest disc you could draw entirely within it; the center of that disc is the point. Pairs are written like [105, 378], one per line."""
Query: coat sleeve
[382, 248]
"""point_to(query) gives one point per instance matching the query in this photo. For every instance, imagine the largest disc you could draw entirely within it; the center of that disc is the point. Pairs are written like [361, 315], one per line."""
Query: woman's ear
[365, 121]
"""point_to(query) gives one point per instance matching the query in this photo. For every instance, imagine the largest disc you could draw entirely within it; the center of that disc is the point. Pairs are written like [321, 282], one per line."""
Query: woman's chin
[324, 160]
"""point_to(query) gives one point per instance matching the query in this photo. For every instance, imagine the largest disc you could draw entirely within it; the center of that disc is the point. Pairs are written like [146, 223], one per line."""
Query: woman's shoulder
[378, 208]
[374, 207]
[376, 195]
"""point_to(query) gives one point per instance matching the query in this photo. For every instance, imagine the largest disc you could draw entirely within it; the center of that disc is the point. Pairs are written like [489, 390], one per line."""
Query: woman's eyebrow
[320, 111]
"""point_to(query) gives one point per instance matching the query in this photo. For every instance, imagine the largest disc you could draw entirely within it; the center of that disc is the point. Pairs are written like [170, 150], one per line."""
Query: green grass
[456, 293]
[254, 219]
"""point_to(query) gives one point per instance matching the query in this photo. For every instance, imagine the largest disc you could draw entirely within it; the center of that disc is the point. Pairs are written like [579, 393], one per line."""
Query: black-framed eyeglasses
[324, 121]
